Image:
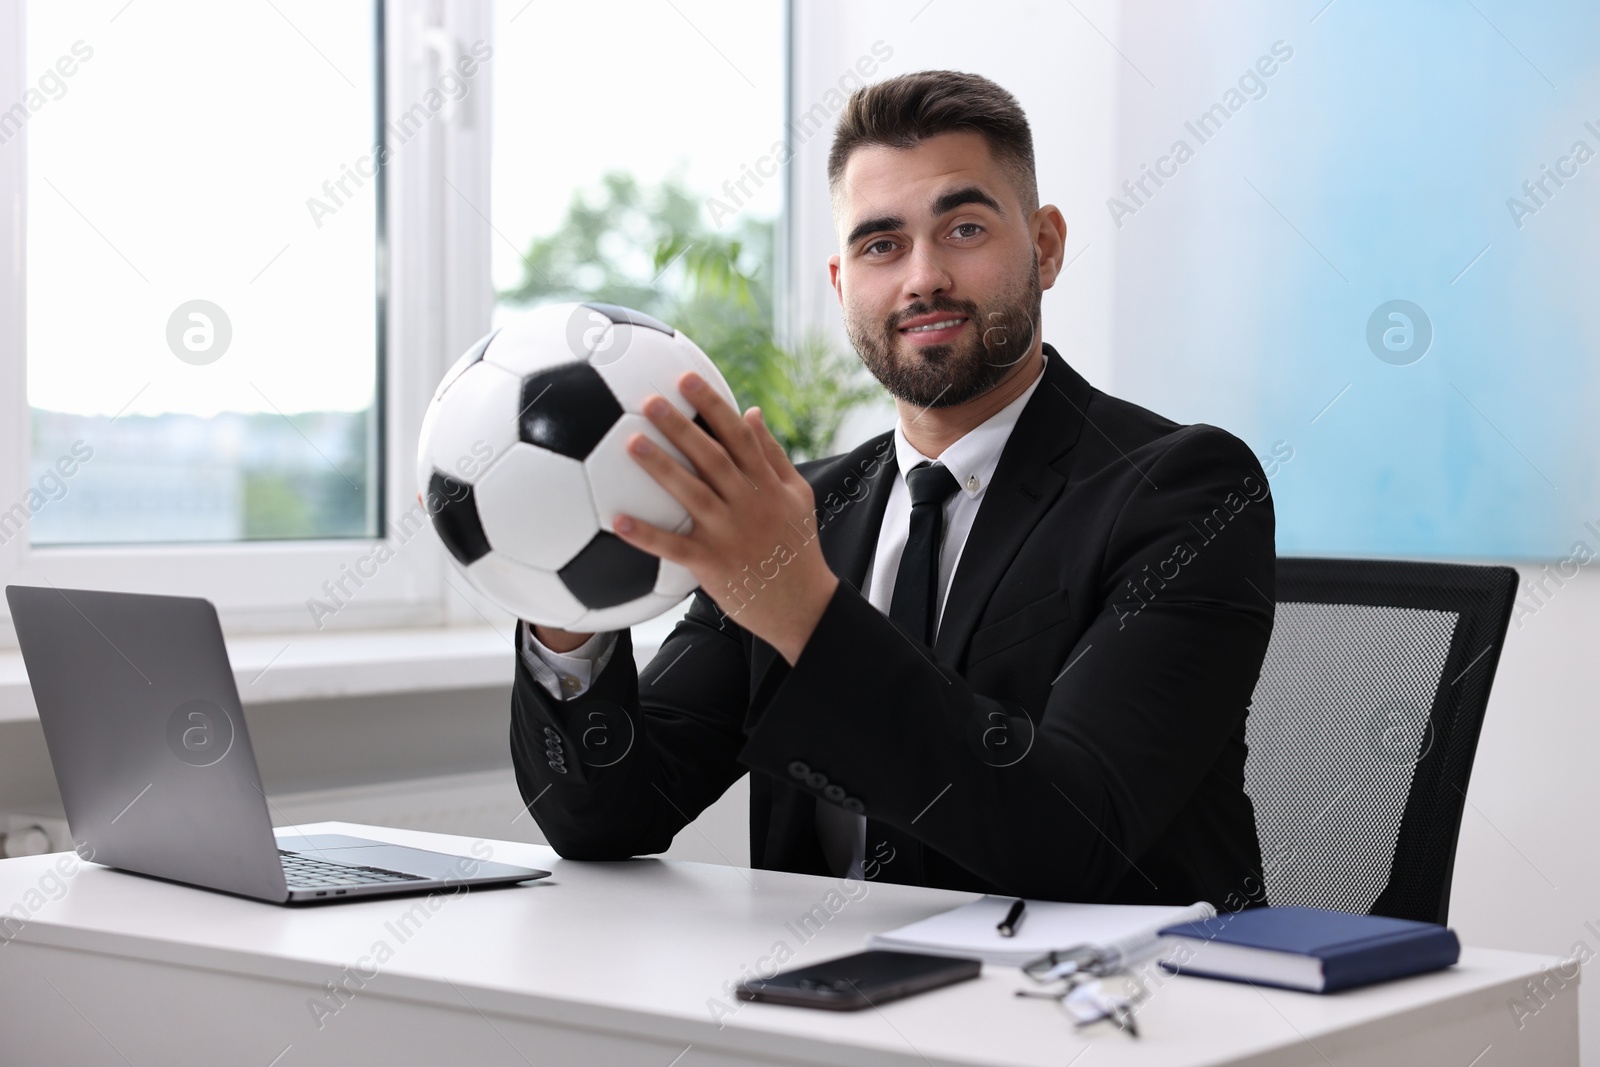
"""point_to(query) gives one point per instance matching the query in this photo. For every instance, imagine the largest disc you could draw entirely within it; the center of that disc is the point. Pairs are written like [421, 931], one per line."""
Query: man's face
[938, 272]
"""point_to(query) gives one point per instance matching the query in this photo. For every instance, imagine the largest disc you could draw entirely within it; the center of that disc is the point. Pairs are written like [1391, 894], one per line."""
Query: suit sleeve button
[559, 768]
[851, 804]
[834, 793]
[799, 770]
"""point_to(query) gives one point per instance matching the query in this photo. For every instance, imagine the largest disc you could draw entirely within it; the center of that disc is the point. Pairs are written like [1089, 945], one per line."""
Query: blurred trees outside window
[646, 248]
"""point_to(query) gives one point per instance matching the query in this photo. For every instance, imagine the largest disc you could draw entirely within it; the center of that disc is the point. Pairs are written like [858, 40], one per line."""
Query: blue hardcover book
[1308, 948]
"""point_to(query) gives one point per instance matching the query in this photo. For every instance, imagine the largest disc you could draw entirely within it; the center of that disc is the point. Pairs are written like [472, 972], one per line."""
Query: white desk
[615, 964]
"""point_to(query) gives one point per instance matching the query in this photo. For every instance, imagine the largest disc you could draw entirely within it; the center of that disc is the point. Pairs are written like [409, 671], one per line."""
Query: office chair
[1363, 728]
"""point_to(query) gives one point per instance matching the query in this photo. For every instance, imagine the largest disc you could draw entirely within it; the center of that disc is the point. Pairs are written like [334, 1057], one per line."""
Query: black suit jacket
[1076, 732]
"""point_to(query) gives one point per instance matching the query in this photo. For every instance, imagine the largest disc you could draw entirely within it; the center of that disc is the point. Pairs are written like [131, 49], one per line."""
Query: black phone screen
[864, 980]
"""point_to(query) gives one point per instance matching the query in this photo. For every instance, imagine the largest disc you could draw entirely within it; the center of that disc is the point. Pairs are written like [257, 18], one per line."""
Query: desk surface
[647, 947]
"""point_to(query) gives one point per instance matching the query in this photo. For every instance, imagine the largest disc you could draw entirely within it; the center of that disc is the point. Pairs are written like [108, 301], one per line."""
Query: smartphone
[864, 980]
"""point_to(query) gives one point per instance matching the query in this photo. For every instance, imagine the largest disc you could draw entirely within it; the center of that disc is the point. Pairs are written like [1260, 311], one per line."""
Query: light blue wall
[1375, 165]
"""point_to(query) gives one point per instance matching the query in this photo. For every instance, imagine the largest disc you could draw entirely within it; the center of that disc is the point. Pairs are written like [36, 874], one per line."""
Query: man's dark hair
[904, 111]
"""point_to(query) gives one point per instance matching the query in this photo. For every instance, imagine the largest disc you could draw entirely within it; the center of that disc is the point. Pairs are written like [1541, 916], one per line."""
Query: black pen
[1008, 925]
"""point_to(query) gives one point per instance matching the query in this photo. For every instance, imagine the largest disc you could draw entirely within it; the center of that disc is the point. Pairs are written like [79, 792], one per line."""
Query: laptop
[145, 732]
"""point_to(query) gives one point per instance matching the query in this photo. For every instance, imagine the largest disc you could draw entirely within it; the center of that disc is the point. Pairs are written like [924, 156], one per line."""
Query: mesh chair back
[1363, 729]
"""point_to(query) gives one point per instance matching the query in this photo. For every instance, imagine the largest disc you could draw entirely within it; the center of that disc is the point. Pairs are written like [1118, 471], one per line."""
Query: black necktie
[891, 855]
[916, 585]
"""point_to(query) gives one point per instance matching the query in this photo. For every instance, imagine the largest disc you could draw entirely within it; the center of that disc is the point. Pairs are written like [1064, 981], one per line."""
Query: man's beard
[942, 376]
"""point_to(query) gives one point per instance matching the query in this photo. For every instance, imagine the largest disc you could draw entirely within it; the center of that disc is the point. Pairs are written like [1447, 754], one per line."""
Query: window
[202, 272]
[235, 166]
[256, 449]
[658, 126]
[647, 169]
[626, 169]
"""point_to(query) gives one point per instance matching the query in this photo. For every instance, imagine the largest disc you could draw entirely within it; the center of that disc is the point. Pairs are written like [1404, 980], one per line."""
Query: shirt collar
[973, 458]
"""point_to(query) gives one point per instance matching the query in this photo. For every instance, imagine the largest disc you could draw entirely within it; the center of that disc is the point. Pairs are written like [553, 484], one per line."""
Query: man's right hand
[559, 640]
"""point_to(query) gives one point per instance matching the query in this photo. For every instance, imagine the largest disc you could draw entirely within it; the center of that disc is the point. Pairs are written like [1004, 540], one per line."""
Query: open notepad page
[970, 929]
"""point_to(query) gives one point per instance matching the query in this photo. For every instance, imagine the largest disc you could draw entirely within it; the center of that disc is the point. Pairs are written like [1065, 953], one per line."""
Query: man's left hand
[754, 545]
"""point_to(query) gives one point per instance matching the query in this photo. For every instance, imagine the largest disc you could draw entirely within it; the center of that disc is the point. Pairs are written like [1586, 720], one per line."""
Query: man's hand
[754, 544]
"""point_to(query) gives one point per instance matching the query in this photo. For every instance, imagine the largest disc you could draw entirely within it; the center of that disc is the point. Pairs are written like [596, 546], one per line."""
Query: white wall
[1528, 870]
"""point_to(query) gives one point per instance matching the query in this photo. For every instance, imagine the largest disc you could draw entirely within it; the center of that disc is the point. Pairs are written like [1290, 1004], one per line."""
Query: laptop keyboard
[306, 872]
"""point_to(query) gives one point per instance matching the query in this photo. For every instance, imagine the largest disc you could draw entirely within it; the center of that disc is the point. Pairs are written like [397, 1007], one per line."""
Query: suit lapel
[850, 525]
[850, 498]
[1029, 478]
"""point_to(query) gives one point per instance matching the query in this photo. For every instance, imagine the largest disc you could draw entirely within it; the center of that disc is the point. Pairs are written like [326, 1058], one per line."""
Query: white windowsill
[269, 669]
[312, 666]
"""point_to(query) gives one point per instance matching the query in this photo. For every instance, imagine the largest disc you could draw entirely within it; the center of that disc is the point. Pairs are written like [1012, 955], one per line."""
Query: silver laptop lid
[145, 732]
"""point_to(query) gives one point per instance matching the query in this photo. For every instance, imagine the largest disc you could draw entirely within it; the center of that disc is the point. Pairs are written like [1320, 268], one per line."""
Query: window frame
[435, 297]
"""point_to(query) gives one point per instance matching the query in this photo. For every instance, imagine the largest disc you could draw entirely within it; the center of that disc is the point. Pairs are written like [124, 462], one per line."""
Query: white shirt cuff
[567, 674]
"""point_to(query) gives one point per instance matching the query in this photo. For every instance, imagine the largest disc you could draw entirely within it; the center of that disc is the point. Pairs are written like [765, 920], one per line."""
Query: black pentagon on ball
[479, 347]
[608, 571]
[454, 510]
[618, 313]
[567, 409]
[473, 355]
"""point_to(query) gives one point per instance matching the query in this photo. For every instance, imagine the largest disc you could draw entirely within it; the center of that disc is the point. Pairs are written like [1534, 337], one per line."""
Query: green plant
[647, 249]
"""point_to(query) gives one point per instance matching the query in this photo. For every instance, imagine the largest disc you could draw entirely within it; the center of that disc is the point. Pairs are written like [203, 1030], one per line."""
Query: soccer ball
[523, 464]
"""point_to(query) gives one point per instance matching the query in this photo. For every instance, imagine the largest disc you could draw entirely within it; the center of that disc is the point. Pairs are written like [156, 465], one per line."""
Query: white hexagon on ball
[473, 424]
[535, 506]
[652, 363]
[675, 580]
[527, 592]
[700, 362]
[424, 460]
[622, 487]
[538, 340]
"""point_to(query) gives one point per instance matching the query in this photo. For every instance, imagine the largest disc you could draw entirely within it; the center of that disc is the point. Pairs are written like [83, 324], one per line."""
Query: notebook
[1309, 949]
[969, 930]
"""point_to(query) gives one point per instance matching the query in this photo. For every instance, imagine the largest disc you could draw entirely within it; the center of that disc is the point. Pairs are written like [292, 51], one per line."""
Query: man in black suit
[1008, 647]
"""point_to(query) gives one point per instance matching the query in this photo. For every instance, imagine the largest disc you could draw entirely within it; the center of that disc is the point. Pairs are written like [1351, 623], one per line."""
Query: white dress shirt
[972, 460]
[567, 674]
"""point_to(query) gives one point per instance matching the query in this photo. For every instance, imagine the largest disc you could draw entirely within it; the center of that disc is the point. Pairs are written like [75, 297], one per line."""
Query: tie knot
[930, 484]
